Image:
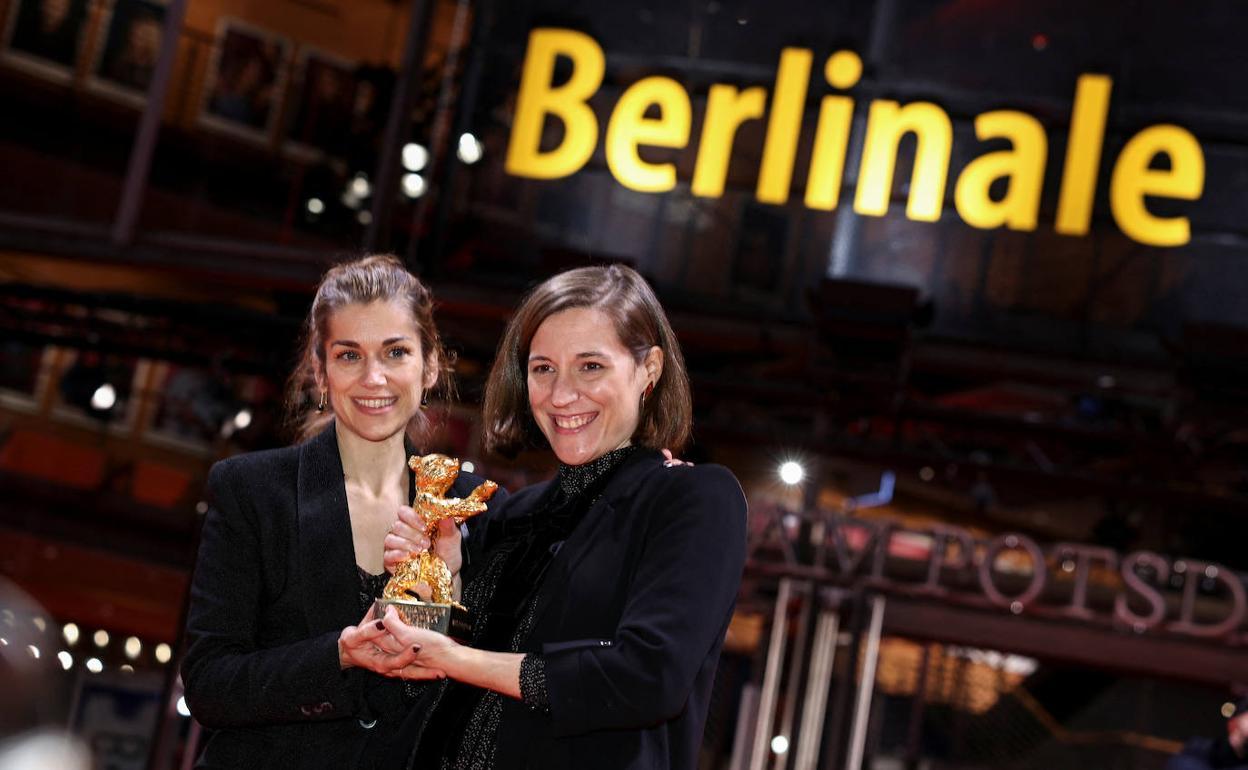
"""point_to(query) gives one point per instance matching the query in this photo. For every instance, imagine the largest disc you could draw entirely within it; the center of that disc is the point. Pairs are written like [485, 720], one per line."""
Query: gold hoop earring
[321, 406]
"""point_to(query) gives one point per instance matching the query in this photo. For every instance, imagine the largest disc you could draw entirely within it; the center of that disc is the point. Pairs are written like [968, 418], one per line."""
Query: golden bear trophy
[434, 476]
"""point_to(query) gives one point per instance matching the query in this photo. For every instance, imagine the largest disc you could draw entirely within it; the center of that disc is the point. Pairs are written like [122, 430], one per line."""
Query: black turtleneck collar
[576, 480]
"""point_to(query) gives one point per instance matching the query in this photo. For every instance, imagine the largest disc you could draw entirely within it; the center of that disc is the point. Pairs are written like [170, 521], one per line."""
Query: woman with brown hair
[600, 598]
[278, 664]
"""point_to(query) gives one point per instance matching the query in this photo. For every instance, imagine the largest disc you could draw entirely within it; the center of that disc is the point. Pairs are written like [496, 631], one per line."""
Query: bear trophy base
[444, 618]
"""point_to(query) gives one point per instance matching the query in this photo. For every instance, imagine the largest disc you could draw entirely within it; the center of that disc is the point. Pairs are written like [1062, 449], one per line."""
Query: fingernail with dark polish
[381, 625]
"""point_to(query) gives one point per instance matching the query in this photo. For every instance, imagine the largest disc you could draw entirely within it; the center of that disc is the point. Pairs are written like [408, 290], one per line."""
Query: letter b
[539, 97]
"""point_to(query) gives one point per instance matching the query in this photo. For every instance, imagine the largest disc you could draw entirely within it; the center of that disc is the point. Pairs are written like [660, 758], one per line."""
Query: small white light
[163, 652]
[94, 665]
[67, 660]
[183, 709]
[350, 199]
[104, 397]
[316, 206]
[779, 744]
[413, 185]
[927, 473]
[1228, 710]
[133, 647]
[365, 218]
[201, 507]
[1106, 381]
[70, 632]
[4, 642]
[40, 623]
[33, 650]
[468, 466]
[126, 668]
[242, 419]
[415, 156]
[470, 149]
[100, 638]
[792, 472]
[360, 187]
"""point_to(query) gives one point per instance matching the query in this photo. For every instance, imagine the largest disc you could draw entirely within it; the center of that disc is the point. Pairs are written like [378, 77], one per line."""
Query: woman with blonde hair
[279, 665]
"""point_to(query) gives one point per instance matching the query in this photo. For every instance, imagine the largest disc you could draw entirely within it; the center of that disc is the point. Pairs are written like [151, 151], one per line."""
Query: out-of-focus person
[1229, 751]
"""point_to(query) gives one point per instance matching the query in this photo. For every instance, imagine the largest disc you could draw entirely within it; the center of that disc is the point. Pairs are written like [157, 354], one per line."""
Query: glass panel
[74, 75]
[956, 708]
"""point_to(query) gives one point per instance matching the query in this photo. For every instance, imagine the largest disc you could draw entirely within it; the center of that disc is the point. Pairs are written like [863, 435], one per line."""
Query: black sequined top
[462, 731]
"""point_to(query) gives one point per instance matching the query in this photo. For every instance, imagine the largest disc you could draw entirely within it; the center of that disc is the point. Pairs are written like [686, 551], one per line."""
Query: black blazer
[630, 620]
[275, 584]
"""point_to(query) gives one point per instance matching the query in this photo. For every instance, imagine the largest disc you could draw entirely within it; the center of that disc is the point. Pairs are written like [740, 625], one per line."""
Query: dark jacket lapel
[326, 554]
[576, 547]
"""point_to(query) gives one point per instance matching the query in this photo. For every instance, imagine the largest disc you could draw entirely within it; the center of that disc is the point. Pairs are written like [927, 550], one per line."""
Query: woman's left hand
[434, 653]
[671, 460]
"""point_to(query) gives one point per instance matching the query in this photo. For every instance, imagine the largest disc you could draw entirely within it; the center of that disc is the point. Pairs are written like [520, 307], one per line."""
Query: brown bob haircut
[372, 278]
[625, 297]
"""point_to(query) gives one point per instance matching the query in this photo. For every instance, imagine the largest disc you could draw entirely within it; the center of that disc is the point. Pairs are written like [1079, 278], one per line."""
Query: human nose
[373, 374]
[563, 391]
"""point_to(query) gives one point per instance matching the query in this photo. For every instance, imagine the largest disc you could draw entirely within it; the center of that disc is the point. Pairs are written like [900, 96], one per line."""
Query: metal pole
[144, 146]
[771, 676]
[441, 155]
[797, 671]
[810, 730]
[866, 688]
[386, 178]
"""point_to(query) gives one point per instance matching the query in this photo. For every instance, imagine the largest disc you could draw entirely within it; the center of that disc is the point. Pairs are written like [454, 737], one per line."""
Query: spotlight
[183, 709]
[779, 744]
[67, 660]
[100, 638]
[133, 647]
[359, 186]
[792, 472]
[467, 466]
[33, 650]
[163, 652]
[415, 156]
[242, 419]
[365, 218]
[413, 185]
[94, 665]
[470, 149]
[316, 206]
[40, 624]
[104, 398]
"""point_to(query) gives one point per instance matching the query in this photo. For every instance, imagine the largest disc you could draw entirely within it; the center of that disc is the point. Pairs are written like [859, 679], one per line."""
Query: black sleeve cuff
[533, 683]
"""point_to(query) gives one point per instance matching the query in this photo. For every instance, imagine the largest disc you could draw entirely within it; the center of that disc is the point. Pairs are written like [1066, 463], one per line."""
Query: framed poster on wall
[323, 104]
[44, 37]
[246, 77]
[127, 48]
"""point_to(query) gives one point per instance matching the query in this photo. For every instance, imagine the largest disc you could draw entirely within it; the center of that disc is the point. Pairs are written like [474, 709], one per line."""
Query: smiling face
[375, 370]
[584, 385]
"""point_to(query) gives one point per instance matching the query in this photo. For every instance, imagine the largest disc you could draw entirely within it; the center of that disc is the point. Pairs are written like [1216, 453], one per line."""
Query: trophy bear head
[435, 473]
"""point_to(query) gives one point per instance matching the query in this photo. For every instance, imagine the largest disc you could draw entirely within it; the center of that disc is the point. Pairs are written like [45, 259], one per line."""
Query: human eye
[348, 355]
[593, 366]
[541, 368]
[398, 351]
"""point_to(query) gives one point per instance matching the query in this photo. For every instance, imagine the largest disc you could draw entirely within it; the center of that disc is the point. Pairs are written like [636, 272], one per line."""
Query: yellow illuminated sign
[656, 112]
